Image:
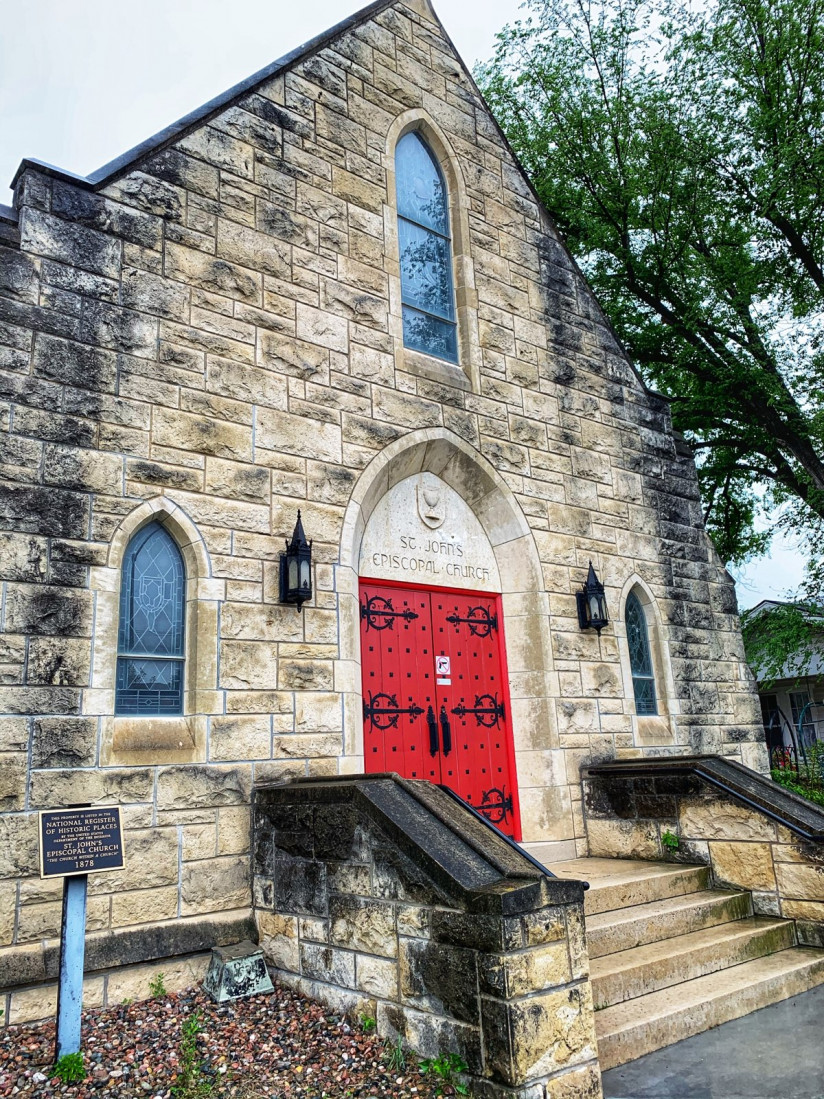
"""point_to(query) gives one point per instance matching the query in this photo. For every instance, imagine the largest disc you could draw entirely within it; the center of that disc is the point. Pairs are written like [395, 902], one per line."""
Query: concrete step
[635, 1027]
[618, 883]
[644, 969]
[625, 928]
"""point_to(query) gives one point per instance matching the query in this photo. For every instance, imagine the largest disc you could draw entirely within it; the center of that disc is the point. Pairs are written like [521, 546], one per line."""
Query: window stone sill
[145, 740]
[654, 730]
[435, 370]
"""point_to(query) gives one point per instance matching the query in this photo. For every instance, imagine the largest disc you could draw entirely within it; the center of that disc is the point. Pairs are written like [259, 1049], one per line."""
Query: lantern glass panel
[292, 573]
[305, 574]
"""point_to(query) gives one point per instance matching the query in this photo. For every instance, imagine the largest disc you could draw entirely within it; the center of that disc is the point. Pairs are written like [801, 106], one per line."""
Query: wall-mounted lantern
[592, 603]
[296, 568]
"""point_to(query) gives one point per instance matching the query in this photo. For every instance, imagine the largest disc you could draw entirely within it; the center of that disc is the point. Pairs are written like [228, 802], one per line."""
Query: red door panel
[444, 720]
[466, 630]
[398, 682]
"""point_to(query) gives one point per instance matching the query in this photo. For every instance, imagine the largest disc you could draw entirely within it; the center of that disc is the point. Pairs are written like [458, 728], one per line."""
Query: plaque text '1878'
[80, 841]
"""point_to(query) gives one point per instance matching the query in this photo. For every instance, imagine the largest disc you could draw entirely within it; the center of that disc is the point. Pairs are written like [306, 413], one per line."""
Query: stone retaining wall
[390, 899]
[626, 817]
[118, 964]
[110, 987]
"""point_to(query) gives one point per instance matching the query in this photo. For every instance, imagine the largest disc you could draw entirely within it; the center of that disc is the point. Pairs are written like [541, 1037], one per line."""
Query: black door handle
[432, 722]
[446, 731]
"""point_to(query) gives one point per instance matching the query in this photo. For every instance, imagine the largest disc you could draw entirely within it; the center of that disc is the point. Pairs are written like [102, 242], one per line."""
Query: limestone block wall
[109, 988]
[208, 334]
[745, 847]
[386, 898]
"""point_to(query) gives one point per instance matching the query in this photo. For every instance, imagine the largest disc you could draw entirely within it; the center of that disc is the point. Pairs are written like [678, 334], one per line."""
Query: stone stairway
[671, 957]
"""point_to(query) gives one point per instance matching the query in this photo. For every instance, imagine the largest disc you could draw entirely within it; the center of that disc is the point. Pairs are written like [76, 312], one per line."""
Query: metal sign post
[72, 955]
[74, 843]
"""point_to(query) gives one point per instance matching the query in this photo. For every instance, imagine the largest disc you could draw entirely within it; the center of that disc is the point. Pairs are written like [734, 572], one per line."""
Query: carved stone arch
[658, 729]
[544, 796]
[466, 298]
[143, 740]
[181, 527]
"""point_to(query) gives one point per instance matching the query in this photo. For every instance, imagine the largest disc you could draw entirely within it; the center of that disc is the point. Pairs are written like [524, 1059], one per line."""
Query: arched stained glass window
[427, 293]
[640, 657]
[150, 659]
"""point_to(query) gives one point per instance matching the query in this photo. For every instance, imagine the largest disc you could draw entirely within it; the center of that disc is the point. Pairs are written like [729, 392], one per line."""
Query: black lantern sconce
[592, 603]
[296, 569]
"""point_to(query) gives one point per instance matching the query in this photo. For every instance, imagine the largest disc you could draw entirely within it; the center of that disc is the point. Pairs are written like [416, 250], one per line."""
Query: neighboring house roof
[811, 612]
[803, 667]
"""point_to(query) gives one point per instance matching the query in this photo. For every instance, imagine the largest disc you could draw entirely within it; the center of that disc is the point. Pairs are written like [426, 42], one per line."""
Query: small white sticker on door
[442, 666]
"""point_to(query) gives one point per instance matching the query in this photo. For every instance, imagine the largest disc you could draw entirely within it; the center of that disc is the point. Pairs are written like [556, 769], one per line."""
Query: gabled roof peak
[128, 160]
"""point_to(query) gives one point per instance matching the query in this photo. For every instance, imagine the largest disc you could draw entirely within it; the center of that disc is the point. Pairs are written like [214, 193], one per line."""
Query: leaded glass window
[427, 293]
[150, 660]
[640, 657]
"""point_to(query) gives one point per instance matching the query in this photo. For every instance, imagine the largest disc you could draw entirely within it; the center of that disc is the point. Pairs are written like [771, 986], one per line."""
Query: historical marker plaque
[80, 841]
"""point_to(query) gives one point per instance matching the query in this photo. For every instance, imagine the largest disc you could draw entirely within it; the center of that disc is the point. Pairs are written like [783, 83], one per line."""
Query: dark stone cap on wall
[464, 856]
[731, 778]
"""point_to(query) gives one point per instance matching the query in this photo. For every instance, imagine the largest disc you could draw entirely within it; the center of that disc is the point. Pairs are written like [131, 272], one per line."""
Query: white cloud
[776, 575]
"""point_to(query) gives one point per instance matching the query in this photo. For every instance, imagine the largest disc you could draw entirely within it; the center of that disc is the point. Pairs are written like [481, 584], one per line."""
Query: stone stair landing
[671, 957]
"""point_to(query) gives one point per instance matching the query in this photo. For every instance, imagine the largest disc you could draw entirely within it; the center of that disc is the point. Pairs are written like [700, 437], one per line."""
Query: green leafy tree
[681, 153]
[781, 641]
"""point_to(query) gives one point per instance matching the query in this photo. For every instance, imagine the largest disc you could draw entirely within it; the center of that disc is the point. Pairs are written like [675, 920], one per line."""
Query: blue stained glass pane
[640, 657]
[637, 637]
[430, 335]
[426, 270]
[149, 686]
[644, 689]
[427, 292]
[150, 636]
[151, 597]
[419, 185]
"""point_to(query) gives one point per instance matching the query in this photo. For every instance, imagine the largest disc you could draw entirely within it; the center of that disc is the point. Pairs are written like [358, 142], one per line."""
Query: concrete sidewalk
[775, 1053]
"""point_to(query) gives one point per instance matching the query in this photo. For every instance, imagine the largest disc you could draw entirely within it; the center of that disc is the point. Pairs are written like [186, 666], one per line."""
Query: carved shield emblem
[431, 506]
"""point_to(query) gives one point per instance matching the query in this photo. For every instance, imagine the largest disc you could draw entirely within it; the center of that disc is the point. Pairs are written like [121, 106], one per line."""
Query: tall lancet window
[427, 291]
[640, 657]
[150, 657]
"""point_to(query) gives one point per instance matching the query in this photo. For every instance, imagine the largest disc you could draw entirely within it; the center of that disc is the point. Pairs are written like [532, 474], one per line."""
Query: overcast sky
[82, 81]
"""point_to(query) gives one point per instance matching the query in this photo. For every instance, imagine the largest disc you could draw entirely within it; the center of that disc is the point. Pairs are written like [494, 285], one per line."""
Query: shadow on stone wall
[390, 898]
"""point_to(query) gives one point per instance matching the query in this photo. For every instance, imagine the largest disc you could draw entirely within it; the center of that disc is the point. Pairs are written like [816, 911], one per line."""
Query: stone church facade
[208, 335]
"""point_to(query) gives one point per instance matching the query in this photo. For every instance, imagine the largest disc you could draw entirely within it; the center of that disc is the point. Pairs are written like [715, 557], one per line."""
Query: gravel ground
[280, 1046]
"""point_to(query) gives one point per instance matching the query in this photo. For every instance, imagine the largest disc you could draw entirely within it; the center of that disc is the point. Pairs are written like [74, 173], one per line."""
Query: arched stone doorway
[505, 562]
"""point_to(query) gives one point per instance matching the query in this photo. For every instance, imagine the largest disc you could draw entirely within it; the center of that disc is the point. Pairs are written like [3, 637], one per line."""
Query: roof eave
[129, 160]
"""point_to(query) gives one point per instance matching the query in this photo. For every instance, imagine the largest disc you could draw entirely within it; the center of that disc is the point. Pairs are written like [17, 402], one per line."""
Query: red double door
[435, 698]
